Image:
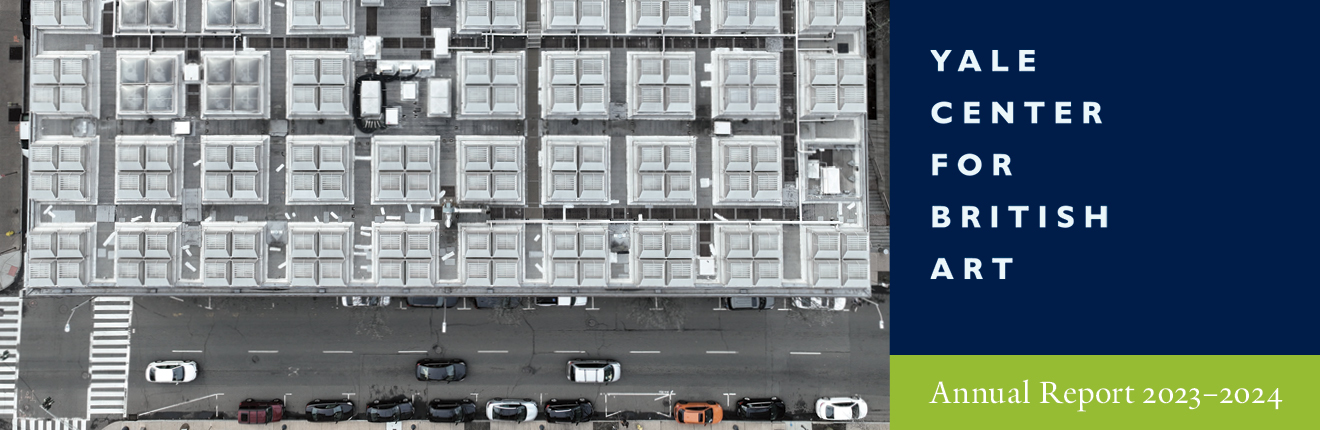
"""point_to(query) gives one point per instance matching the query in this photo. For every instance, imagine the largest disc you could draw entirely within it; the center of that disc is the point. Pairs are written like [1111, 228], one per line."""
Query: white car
[594, 371]
[360, 301]
[840, 408]
[561, 301]
[516, 410]
[172, 371]
[821, 303]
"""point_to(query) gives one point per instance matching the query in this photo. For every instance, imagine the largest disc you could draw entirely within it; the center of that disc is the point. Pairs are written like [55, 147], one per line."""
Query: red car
[260, 411]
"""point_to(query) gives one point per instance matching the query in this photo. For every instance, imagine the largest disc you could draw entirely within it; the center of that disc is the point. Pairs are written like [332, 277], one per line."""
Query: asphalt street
[299, 349]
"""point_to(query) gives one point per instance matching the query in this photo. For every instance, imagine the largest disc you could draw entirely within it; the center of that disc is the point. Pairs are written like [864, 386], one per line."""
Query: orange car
[707, 412]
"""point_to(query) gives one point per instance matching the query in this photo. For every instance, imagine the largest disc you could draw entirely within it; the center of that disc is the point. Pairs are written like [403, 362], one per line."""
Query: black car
[771, 409]
[329, 410]
[753, 303]
[432, 302]
[433, 369]
[498, 302]
[390, 410]
[451, 411]
[568, 411]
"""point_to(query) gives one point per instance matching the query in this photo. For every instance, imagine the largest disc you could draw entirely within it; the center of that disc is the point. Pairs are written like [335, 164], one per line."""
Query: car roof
[589, 374]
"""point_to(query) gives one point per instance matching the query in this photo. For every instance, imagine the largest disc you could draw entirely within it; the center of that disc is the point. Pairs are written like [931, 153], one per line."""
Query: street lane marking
[336, 352]
[570, 352]
[187, 351]
[804, 353]
[721, 352]
[492, 352]
[258, 351]
[644, 352]
[412, 352]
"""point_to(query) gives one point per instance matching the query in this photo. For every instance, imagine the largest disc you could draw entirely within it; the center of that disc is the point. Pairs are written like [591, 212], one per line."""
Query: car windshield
[856, 411]
[829, 412]
[609, 373]
[178, 373]
[445, 411]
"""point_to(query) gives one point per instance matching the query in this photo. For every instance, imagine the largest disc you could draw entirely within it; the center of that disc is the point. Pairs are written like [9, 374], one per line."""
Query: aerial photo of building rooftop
[479, 148]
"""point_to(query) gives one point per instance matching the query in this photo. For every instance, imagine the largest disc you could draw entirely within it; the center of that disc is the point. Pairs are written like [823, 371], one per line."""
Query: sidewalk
[232, 424]
[12, 79]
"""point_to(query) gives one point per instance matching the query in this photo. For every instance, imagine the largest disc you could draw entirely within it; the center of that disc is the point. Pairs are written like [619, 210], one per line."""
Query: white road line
[644, 352]
[492, 352]
[258, 351]
[804, 353]
[336, 352]
[187, 351]
[721, 352]
[570, 352]
[412, 352]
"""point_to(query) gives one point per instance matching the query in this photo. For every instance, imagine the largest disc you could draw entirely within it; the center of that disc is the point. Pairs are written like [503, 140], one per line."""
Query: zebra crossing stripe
[11, 321]
[49, 424]
[108, 355]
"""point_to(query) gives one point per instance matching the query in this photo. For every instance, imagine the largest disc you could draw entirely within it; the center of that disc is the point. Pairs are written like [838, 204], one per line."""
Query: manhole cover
[255, 359]
[529, 370]
[591, 322]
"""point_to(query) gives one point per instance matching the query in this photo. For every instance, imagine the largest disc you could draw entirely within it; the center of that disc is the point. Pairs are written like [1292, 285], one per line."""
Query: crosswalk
[111, 330]
[11, 312]
[50, 424]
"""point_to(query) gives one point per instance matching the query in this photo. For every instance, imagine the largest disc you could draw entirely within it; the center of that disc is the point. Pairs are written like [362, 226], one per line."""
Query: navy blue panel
[1204, 159]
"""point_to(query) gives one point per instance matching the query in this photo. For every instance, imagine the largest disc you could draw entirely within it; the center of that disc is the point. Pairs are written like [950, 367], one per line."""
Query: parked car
[451, 411]
[763, 409]
[707, 412]
[390, 410]
[753, 303]
[363, 301]
[561, 301]
[172, 371]
[568, 411]
[516, 410]
[821, 303]
[260, 411]
[840, 408]
[329, 410]
[432, 302]
[435, 369]
[592, 371]
[498, 302]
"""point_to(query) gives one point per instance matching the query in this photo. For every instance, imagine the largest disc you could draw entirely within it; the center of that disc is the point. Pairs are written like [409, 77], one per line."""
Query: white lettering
[940, 58]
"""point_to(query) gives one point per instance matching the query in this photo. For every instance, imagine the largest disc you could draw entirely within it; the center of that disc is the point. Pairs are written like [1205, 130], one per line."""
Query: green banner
[1115, 392]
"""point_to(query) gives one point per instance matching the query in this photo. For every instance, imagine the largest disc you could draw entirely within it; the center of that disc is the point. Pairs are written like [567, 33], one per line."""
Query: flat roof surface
[562, 147]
